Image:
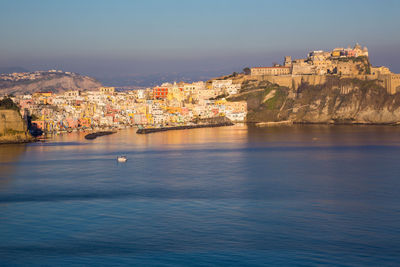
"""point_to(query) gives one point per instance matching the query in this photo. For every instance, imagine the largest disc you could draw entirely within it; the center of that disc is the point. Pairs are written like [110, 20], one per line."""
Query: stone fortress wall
[340, 62]
[391, 82]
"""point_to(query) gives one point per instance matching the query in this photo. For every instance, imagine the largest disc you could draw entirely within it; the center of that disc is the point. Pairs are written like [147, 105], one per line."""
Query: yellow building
[43, 97]
[335, 53]
[380, 70]
[42, 94]
[107, 90]
[174, 109]
[281, 70]
[220, 102]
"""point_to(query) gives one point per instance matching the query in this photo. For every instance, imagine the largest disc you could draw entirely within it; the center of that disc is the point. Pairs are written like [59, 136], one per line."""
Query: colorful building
[160, 92]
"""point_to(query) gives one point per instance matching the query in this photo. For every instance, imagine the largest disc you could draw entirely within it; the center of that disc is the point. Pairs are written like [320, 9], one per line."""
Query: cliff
[56, 83]
[337, 100]
[13, 128]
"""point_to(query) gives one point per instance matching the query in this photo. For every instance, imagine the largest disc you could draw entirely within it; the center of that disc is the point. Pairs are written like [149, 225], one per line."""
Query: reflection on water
[9, 154]
[241, 195]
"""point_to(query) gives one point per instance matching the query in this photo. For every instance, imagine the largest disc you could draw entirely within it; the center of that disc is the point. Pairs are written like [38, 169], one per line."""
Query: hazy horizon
[108, 40]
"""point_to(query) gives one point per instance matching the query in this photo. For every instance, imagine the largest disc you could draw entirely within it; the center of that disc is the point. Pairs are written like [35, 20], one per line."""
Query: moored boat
[122, 159]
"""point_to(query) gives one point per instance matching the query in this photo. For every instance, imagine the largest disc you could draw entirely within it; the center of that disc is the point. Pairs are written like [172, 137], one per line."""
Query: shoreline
[350, 123]
[286, 123]
[17, 139]
[17, 142]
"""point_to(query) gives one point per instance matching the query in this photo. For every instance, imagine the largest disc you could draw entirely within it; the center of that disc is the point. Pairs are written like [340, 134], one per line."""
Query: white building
[220, 84]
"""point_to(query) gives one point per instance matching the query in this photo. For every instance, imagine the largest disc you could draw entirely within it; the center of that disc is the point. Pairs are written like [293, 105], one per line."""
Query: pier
[203, 123]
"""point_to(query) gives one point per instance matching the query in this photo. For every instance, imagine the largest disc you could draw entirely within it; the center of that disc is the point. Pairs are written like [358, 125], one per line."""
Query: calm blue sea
[231, 196]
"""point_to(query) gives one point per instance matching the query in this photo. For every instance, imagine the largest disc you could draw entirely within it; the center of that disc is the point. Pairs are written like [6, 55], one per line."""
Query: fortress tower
[288, 61]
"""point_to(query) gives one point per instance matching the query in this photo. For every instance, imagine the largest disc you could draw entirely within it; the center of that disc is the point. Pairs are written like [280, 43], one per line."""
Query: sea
[302, 195]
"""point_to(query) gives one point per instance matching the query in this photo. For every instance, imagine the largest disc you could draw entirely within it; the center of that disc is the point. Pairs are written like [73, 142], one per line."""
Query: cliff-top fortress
[340, 62]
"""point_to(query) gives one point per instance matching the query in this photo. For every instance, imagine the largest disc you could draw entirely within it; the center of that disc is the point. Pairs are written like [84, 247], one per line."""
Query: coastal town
[166, 105]
[181, 103]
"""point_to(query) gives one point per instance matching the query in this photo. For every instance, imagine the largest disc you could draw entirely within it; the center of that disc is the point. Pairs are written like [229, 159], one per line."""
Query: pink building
[184, 111]
[25, 103]
[351, 53]
[72, 123]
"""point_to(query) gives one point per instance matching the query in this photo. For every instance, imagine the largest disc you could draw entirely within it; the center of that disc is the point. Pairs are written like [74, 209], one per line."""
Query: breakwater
[274, 123]
[183, 127]
[92, 136]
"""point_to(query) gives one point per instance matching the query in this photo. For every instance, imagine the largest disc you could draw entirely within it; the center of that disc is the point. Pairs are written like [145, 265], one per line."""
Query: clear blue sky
[101, 37]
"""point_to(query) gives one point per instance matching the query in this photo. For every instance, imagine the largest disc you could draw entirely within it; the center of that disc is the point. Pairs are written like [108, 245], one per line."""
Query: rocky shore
[18, 138]
[13, 129]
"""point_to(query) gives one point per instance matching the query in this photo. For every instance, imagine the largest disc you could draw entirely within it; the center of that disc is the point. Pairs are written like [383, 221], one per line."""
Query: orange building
[160, 92]
[38, 124]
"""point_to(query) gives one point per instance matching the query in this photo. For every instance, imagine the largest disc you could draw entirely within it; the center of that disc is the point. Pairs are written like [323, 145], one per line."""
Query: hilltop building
[343, 62]
[278, 70]
[338, 61]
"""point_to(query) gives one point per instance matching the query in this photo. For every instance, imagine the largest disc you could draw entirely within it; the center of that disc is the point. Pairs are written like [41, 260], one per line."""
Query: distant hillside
[6, 70]
[48, 81]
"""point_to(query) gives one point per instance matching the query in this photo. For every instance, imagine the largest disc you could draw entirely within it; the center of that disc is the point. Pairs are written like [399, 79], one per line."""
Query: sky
[128, 37]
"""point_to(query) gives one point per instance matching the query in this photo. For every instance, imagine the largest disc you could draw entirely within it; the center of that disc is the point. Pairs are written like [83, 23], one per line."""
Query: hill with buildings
[53, 81]
[338, 86]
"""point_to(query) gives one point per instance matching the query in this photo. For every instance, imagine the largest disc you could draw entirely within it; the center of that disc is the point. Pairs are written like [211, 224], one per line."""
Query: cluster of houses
[168, 104]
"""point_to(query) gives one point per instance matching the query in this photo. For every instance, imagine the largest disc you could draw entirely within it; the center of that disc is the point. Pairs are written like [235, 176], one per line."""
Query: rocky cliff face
[336, 101]
[57, 84]
[13, 128]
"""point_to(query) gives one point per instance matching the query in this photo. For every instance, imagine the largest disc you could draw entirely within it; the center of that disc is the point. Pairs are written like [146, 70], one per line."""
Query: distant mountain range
[63, 81]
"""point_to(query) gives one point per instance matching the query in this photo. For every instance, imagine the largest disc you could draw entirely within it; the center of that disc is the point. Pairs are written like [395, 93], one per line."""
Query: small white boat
[121, 159]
